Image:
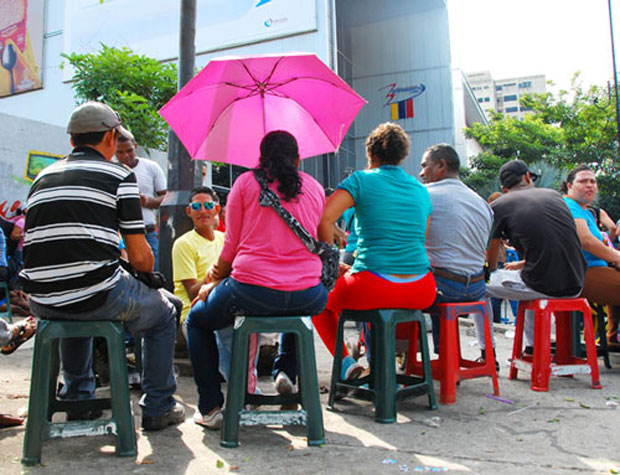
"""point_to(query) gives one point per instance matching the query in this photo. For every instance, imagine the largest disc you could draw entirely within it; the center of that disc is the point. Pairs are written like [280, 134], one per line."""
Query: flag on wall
[402, 109]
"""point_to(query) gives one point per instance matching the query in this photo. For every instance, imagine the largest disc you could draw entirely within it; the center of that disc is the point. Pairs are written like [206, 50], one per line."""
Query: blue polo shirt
[392, 209]
[579, 213]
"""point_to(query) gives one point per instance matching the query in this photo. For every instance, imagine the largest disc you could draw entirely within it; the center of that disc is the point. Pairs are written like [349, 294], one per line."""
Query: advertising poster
[150, 27]
[21, 45]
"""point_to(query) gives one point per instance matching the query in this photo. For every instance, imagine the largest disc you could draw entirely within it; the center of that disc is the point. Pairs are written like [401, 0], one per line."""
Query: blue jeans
[153, 241]
[228, 300]
[144, 310]
[449, 291]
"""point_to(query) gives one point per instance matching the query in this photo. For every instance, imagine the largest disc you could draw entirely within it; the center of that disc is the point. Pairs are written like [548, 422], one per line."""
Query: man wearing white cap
[76, 207]
[151, 182]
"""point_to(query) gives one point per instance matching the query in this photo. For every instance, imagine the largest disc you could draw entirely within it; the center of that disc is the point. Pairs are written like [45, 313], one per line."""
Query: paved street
[570, 429]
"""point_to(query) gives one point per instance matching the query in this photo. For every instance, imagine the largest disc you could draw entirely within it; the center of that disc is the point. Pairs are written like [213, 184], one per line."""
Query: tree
[136, 86]
[560, 133]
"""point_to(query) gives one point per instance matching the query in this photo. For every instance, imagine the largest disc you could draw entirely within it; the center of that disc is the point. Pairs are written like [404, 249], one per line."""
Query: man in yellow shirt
[192, 255]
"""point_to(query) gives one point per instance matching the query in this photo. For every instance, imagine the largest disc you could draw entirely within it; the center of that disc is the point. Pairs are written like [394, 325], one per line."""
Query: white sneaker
[283, 383]
[213, 422]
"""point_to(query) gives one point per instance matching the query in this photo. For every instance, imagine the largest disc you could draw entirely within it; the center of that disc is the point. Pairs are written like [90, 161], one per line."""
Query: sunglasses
[209, 205]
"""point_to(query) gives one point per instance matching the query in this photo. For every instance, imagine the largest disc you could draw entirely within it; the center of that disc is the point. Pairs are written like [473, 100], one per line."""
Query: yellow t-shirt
[192, 255]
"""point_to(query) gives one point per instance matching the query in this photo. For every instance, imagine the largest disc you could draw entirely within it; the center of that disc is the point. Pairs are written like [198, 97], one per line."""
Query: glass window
[512, 97]
[511, 109]
[487, 99]
[525, 84]
[510, 84]
[499, 88]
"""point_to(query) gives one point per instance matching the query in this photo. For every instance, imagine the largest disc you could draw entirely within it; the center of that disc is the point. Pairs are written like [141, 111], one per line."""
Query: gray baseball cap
[93, 117]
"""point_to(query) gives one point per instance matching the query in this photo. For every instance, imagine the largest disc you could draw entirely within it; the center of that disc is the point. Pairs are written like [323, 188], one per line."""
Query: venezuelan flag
[402, 109]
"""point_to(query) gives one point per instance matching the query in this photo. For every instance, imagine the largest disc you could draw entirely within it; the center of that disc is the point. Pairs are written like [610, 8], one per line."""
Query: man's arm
[493, 253]
[139, 252]
[153, 202]
[594, 246]
[192, 286]
[610, 226]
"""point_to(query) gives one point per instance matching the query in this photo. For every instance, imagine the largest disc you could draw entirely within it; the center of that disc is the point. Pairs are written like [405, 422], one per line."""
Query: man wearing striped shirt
[71, 253]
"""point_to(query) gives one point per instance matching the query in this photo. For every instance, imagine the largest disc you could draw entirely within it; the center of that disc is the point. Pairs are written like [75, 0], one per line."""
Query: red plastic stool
[451, 367]
[564, 363]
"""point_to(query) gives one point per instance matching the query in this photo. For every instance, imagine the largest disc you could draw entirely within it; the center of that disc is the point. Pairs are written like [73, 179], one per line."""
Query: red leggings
[366, 291]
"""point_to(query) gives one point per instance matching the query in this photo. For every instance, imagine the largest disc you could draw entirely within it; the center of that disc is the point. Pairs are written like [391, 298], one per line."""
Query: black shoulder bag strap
[269, 198]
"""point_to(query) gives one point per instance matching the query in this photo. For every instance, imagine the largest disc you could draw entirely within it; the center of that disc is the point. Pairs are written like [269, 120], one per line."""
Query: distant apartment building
[502, 95]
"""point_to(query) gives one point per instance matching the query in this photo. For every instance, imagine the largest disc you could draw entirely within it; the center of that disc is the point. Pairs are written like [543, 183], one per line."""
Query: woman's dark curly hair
[388, 143]
[278, 159]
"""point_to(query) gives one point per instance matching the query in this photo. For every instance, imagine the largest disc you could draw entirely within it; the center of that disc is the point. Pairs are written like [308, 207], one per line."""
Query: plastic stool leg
[38, 403]
[337, 363]
[448, 356]
[309, 387]
[488, 344]
[385, 390]
[426, 361]
[542, 351]
[237, 387]
[564, 336]
[119, 389]
[517, 347]
[588, 331]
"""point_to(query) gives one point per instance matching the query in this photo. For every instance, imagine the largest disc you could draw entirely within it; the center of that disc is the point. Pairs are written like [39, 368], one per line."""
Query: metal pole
[180, 164]
[613, 60]
[173, 220]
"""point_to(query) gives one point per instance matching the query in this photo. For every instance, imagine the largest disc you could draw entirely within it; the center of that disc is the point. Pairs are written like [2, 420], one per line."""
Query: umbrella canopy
[223, 113]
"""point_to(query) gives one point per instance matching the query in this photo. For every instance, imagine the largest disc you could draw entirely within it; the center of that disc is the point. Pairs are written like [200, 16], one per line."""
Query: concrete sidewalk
[570, 429]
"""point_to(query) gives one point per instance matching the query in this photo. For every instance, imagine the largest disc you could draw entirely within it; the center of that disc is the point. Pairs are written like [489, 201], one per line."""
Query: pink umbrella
[223, 113]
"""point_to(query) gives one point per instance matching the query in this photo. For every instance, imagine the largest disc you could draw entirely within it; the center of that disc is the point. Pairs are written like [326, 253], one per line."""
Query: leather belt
[464, 279]
[150, 228]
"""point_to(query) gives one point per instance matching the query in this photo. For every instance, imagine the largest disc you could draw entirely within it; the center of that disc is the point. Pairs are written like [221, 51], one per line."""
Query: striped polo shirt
[71, 247]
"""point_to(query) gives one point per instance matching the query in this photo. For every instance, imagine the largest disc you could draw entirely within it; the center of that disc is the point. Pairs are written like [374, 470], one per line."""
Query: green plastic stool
[43, 402]
[237, 396]
[4, 290]
[382, 382]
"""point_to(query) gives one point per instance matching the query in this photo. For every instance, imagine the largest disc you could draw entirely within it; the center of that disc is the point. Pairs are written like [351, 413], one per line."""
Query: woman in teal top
[392, 210]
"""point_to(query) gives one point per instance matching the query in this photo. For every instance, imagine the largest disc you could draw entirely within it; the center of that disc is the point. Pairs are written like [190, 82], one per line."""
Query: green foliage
[576, 126]
[135, 86]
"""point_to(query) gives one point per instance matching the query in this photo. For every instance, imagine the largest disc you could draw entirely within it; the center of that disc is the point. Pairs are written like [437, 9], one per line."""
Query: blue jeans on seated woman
[450, 291]
[228, 300]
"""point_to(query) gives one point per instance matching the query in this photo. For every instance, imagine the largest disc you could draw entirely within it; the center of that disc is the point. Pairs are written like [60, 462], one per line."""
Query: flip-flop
[22, 336]
[7, 420]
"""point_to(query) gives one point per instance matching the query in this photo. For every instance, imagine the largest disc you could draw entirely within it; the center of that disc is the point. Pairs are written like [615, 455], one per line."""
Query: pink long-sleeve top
[261, 247]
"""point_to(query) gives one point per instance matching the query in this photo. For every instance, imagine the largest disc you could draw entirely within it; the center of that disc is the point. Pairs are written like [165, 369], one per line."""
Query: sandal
[26, 330]
[7, 420]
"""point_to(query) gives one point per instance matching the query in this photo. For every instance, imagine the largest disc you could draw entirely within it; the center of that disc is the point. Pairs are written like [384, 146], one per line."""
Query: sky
[525, 37]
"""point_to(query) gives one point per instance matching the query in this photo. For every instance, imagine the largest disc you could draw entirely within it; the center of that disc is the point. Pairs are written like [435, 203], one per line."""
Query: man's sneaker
[283, 383]
[176, 415]
[213, 422]
[351, 369]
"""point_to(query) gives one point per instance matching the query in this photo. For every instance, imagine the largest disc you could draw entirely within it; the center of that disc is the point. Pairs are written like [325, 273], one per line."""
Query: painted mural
[21, 45]
[36, 162]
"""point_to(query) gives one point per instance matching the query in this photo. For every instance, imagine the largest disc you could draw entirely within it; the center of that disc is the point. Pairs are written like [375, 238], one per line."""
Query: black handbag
[330, 257]
[154, 280]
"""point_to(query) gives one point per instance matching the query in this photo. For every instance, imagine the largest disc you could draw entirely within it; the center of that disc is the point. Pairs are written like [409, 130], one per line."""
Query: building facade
[502, 95]
[395, 54]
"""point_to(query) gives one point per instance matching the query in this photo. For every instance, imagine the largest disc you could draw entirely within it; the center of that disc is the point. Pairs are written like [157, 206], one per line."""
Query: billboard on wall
[21, 45]
[150, 27]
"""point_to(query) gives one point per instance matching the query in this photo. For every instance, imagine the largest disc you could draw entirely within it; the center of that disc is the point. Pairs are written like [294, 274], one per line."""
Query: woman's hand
[204, 292]
[342, 268]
